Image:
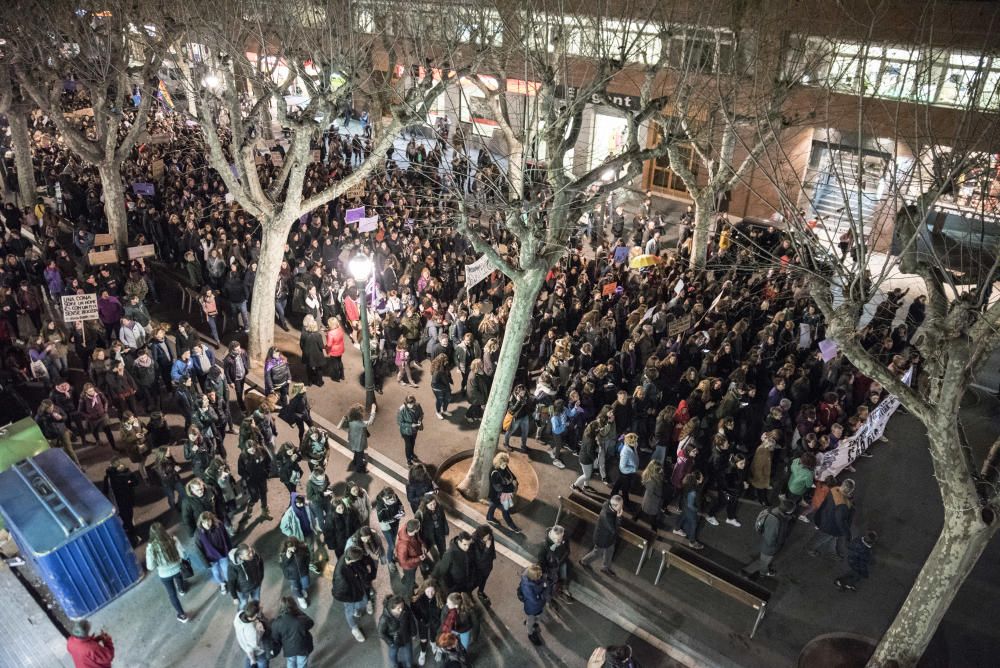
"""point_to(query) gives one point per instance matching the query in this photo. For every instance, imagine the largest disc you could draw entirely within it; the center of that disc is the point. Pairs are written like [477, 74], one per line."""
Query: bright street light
[211, 81]
[360, 267]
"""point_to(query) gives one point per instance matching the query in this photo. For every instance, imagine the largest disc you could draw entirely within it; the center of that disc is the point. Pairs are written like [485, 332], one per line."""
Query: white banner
[850, 448]
[477, 271]
[369, 224]
[79, 307]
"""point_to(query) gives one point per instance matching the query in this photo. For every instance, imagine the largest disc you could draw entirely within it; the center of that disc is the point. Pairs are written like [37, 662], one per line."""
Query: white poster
[369, 224]
[79, 307]
[477, 271]
[834, 461]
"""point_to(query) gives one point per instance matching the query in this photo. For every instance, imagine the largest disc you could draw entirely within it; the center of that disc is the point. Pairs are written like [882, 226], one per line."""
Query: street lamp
[360, 267]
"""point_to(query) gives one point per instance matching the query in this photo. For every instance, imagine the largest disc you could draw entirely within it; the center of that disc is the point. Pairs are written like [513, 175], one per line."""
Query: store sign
[629, 102]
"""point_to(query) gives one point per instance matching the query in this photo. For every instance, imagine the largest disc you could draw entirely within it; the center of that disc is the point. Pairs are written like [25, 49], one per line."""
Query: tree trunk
[958, 548]
[114, 204]
[21, 140]
[475, 486]
[272, 250]
[702, 229]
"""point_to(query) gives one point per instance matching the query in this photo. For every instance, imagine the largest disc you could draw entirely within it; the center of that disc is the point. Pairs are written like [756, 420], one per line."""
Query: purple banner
[144, 189]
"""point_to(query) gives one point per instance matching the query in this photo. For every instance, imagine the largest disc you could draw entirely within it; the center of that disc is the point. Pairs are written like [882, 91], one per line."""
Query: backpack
[758, 524]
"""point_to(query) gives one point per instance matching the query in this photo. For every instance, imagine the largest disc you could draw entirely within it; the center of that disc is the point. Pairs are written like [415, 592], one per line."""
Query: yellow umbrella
[640, 261]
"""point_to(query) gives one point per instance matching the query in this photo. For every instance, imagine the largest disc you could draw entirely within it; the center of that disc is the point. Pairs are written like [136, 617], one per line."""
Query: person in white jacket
[250, 630]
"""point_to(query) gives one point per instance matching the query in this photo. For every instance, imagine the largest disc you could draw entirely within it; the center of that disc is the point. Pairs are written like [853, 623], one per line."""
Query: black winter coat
[457, 569]
[397, 631]
[352, 581]
[244, 576]
[606, 530]
[291, 631]
[295, 566]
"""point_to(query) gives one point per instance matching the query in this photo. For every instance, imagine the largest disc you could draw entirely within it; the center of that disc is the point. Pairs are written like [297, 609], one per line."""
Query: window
[933, 76]
[661, 177]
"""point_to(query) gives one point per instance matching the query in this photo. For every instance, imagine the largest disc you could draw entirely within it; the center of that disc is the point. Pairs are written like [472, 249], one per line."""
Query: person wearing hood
[119, 485]
[246, 573]
[456, 569]
[251, 629]
[300, 522]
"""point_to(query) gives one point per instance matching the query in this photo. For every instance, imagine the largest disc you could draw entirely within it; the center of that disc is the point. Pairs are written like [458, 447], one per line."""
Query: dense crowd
[693, 392]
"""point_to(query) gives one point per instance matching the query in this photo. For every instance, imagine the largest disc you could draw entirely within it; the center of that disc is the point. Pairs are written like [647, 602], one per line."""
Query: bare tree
[537, 196]
[109, 53]
[16, 109]
[267, 48]
[937, 159]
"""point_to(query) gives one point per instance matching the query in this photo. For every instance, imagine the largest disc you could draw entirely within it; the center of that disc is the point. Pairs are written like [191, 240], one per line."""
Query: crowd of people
[697, 392]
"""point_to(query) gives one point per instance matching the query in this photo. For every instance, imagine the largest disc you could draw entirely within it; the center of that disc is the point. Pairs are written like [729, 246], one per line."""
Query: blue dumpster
[69, 531]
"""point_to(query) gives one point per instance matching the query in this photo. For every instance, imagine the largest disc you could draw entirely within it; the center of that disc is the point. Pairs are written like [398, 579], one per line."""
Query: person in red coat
[335, 349]
[90, 651]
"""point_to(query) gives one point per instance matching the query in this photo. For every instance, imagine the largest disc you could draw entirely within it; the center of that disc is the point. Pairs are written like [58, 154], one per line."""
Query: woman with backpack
[458, 619]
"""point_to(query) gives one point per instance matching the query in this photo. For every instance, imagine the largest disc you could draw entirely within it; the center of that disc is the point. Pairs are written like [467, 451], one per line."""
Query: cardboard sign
[357, 191]
[609, 289]
[277, 159]
[103, 240]
[157, 169]
[315, 155]
[136, 252]
[369, 224]
[77, 308]
[160, 138]
[354, 215]
[679, 325]
[102, 257]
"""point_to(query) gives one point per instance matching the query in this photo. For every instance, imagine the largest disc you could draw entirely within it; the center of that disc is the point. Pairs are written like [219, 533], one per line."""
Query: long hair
[440, 363]
[653, 472]
[165, 549]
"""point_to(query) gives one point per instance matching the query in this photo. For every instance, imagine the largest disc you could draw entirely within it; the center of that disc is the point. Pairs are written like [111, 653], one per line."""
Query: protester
[605, 535]
[290, 630]
[90, 650]
[164, 555]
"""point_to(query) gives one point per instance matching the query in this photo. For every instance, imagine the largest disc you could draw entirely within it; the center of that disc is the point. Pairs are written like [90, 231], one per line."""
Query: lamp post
[360, 267]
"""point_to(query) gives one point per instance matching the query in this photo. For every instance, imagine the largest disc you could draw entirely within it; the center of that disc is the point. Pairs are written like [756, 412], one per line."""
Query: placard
[157, 168]
[609, 289]
[77, 308]
[104, 240]
[102, 257]
[354, 215]
[160, 138]
[136, 252]
[679, 325]
[315, 155]
[277, 159]
[369, 224]
[144, 189]
[357, 191]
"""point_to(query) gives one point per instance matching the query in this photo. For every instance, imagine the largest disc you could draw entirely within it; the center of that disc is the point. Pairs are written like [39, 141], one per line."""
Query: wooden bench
[577, 509]
[716, 577]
